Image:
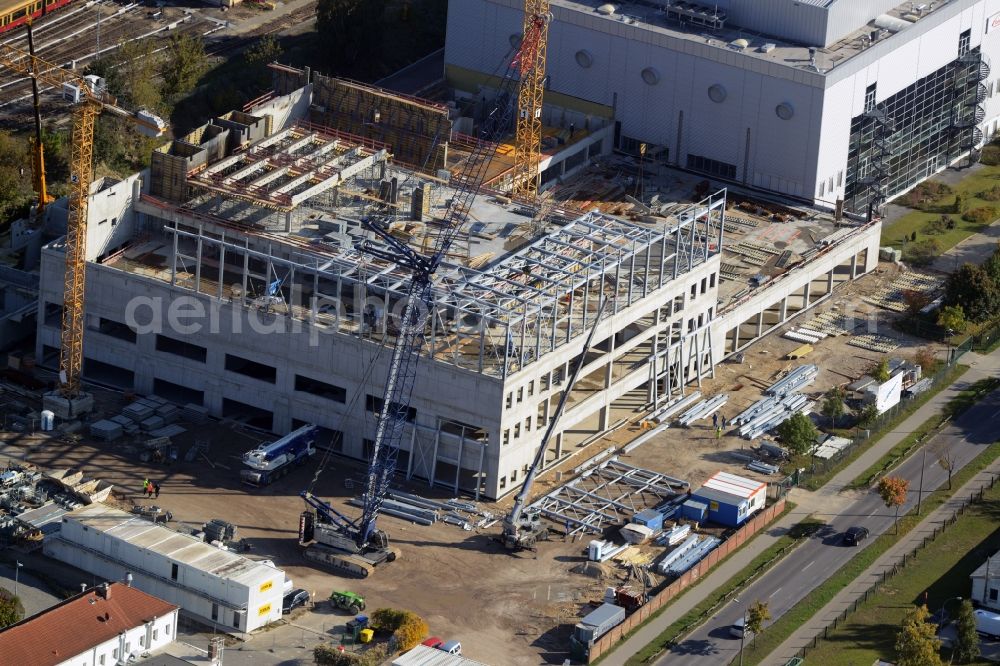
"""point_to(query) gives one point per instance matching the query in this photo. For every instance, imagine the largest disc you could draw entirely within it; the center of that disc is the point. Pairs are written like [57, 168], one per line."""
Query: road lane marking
[811, 562]
[774, 593]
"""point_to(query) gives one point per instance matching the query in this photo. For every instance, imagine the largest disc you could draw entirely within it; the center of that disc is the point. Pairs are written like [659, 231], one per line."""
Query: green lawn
[978, 181]
[941, 570]
[782, 628]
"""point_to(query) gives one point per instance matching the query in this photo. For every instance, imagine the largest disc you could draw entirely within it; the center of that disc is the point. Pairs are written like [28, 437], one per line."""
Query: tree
[915, 301]
[797, 432]
[348, 27]
[11, 608]
[952, 318]
[967, 641]
[184, 64]
[833, 404]
[916, 642]
[868, 416]
[992, 265]
[264, 51]
[941, 449]
[880, 372]
[410, 632]
[972, 288]
[757, 615]
[15, 176]
[892, 490]
[958, 203]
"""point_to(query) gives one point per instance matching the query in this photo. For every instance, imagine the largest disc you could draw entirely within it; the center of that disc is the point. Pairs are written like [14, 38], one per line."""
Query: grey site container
[599, 622]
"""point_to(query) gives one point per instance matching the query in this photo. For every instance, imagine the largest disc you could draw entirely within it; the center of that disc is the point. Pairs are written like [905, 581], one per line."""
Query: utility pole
[17, 570]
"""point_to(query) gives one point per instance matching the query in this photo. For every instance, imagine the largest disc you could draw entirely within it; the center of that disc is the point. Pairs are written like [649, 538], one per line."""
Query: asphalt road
[35, 594]
[817, 559]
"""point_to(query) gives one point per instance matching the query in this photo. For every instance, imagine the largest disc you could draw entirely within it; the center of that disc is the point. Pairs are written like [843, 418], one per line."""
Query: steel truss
[608, 494]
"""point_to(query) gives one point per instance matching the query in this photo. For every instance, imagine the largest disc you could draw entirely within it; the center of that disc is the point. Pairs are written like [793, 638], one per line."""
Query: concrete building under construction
[228, 276]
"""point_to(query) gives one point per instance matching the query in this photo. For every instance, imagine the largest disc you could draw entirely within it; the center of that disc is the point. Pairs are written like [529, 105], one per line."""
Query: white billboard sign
[993, 23]
[888, 393]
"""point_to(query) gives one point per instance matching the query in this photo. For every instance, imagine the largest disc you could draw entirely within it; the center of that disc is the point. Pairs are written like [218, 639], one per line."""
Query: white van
[451, 647]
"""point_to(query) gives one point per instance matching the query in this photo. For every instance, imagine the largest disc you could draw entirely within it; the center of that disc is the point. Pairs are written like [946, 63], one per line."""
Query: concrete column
[288, 222]
[213, 397]
[559, 446]
[805, 295]
[760, 323]
[282, 420]
[829, 282]
[854, 266]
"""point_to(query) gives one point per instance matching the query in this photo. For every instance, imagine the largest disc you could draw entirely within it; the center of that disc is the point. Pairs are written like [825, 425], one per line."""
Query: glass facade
[919, 130]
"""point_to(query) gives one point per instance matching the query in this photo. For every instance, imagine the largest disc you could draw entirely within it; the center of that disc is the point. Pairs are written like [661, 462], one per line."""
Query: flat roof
[784, 52]
[732, 484]
[181, 548]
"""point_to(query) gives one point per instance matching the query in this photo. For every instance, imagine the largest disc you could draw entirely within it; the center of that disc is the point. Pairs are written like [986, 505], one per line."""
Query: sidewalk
[805, 634]
[827, 501]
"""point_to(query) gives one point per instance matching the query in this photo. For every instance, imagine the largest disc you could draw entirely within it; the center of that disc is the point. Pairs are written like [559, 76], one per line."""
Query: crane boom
[519, 533]
[37, 147]
[393, 415]
[95, 100]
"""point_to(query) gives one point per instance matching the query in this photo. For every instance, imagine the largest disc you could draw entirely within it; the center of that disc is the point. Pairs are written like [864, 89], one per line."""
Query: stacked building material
[195, 413]
[601, 551]
[703, 409]
[673, 407]
[762, 467]
[677, 553]
[674, 535]
[105, 429]
[793, 381]
[692, 556]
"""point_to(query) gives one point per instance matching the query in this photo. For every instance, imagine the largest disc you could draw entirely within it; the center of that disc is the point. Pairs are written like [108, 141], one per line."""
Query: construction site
[431, 351]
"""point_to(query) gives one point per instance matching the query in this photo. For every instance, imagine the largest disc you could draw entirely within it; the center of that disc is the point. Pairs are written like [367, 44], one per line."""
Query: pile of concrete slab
[152, 415]
[686, 555]
[872, 342]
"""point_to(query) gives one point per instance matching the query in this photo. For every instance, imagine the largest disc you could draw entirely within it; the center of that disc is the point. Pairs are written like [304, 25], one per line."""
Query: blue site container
[650, 518]
[696, 511]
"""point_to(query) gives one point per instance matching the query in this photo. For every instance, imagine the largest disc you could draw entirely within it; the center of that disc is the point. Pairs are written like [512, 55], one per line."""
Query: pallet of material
[195, 413]
[873, 342]
[105, 429]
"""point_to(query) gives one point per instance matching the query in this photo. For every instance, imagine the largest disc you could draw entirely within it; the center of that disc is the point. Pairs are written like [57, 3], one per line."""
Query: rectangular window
[517, 430]
[506, 437]
[713, 167]
[156, 634]
[840, 178]
[101, 660]
[116, 330]
[531, 388]
[513, 476]
[374, 405]
[993, 593]
[963, 42]
[114, 653]
[510, 399]
[822, 188]
[253, 369]
[180, 348]
[704, 285]
[870, 96]
[173, 572]
[503, 482]
[711, 281]
[694, 290]
[527, 424]
[237, 616]
[829, 184]
[142, 641]
[320, 389]
[520, 395]
[166, 631]
[215, 612]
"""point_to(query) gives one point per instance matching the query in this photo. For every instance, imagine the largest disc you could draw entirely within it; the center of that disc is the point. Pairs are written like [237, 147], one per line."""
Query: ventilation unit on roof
[767, 48]
[607, 9]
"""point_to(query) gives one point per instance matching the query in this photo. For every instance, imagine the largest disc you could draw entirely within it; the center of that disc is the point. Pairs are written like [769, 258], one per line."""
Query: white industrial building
[216, 587]
[822, 100]
[986, 583]
[104, 626]
[228, 276]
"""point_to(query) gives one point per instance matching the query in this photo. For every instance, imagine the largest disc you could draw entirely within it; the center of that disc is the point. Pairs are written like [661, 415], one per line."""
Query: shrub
[980, 215]
[407, 628]
[990, 155]
[937, 225]
[922, 253]
[925, 194]
[329, 655]
[992, 194]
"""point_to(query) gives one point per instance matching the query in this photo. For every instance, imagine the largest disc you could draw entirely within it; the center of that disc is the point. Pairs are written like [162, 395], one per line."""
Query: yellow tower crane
[70, 401]
[528, 137]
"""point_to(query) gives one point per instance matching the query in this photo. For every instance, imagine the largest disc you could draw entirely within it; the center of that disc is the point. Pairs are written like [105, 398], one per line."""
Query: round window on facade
[650, 76]
[515, 40]
[584, 59]
[717, 93]
[784, 111]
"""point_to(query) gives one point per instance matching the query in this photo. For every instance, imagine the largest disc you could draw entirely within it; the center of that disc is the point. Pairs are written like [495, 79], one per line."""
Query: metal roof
[423, 655]
[177, 547]
[731, 484]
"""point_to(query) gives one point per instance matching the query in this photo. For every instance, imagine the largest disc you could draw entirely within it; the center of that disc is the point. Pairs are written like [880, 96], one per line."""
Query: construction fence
[974, 497]
[886, 419]
[665, 595]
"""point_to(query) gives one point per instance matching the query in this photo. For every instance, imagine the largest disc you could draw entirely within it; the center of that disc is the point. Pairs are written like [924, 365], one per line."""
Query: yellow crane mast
[70, 402]
[528, 137]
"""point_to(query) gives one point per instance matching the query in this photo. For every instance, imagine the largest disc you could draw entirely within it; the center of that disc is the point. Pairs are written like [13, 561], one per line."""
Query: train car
[15, 12]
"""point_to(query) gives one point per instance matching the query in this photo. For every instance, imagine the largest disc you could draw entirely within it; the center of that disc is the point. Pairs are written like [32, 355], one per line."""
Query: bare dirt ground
[521, 607]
